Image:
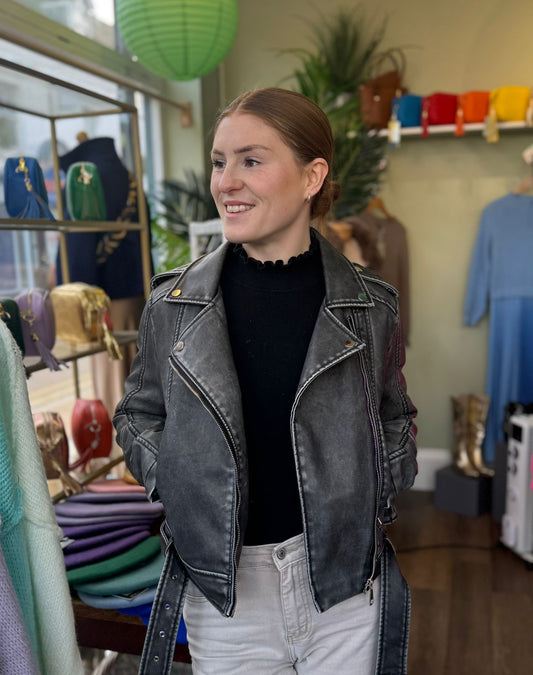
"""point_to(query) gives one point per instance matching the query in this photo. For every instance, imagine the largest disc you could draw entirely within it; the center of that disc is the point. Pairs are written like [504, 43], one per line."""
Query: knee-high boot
[478, 406]
[461, 461]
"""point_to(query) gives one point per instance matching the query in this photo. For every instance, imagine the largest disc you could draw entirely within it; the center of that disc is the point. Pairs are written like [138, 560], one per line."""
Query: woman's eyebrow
[240, 151]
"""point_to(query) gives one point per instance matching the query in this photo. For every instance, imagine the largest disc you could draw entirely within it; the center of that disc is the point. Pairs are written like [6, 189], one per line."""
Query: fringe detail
[111, 344]
[36, 207]
[46, 355]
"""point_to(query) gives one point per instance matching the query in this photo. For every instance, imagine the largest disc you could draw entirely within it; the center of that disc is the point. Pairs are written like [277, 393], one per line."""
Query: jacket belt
[160, 641]
[395, 616]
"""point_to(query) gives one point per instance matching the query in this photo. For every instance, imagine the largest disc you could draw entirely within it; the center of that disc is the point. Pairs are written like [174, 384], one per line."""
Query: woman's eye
[251, 162]
[217, 164]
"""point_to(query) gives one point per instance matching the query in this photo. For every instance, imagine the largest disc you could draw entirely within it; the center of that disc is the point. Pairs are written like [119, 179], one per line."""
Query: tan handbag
[53, 442]
[82, 315]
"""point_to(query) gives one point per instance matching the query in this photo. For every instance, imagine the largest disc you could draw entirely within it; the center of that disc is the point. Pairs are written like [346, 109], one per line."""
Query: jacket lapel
[333, 338]
[202, 350]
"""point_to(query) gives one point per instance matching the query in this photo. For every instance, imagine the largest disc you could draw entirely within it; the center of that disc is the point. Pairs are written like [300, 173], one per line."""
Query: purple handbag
[38, 325]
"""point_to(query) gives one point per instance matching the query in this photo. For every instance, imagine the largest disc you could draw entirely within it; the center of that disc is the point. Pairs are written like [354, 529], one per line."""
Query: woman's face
[260, 188]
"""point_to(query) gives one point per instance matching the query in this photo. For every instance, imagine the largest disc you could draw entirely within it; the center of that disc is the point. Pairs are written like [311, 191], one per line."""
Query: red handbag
[438, 109]
[92, 431]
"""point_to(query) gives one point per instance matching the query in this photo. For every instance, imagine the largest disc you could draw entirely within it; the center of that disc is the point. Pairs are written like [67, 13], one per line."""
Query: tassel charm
[459, 117]
[425, 119]
[111, 344]
[46, 355]
[491, 132]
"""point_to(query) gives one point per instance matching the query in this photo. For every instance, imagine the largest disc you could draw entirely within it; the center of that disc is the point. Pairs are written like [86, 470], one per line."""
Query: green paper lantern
[178, 39]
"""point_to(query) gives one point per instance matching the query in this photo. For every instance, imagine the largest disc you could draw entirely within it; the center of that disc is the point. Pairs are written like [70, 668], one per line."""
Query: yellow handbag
[510, 104]
[82, 315]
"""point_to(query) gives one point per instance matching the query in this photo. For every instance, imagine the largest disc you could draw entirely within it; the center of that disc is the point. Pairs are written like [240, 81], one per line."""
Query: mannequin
[110, 260]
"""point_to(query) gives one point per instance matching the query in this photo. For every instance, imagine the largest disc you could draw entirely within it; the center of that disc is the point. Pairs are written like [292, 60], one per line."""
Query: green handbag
[84, 192]
[10, 315]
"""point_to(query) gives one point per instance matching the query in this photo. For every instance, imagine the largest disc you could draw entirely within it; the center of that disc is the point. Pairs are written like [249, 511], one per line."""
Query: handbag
[473, 106]
[408, 109]
[82, 315]
[439, 108]
[84, 192]
[10, 315]
[510, 104]
[38, 325]
[377, 93]
[25, 190]
[53, 443]
[92, 431]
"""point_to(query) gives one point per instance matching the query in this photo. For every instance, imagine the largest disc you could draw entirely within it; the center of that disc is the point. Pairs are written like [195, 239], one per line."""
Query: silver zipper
[293, 439]
[369, 585]
[204, 400]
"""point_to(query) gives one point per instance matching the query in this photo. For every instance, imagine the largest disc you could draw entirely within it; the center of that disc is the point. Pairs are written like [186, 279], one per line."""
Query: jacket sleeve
[397, 413]
[140, 416]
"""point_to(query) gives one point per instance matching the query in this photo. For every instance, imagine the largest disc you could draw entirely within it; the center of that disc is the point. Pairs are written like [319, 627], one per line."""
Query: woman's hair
[302, 125]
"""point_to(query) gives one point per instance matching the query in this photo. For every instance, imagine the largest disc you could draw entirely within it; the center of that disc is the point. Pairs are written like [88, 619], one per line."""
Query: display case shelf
[41, 95]
[71, 351]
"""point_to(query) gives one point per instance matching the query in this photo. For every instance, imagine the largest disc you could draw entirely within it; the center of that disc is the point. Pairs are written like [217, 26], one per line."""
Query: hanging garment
[51, 605]
[394, 269]
[501, 280]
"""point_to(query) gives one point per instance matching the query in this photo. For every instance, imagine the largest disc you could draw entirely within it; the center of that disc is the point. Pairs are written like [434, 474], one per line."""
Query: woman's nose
[229, 180]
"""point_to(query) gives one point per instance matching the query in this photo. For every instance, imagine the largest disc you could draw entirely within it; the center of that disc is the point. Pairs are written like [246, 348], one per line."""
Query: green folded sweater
[135, 556]
[128, 582]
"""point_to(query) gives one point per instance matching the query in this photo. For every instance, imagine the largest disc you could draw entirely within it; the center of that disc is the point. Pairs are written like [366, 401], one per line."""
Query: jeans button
[281, 553]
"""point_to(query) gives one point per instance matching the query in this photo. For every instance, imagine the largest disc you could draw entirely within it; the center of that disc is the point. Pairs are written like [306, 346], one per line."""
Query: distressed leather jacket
[181, 429]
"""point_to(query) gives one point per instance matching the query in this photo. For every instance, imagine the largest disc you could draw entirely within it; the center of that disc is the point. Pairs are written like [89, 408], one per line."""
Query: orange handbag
[472, 106]
[475, 105]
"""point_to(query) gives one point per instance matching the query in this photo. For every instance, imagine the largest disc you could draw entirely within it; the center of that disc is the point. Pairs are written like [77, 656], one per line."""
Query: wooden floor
[472, 599]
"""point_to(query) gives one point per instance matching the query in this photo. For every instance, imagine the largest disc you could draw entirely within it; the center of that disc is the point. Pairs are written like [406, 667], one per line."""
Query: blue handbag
[24, 189]
[408, 109]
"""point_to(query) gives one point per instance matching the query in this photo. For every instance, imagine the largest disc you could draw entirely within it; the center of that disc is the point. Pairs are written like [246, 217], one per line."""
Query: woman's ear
[316, 171]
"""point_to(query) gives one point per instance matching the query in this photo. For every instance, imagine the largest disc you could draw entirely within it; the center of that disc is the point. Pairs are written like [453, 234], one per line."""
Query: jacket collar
[345, 287]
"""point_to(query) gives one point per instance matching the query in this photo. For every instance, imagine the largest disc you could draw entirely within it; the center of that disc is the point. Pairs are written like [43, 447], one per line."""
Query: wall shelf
[449, 129]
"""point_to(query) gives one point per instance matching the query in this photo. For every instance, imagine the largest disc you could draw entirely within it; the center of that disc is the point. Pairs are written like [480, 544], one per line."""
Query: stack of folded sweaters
[113, 560]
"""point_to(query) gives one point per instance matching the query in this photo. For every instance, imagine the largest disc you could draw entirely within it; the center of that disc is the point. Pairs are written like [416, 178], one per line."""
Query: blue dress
[501, 280]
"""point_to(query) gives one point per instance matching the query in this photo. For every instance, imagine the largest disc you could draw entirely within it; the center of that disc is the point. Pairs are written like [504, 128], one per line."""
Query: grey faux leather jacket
[181, 428]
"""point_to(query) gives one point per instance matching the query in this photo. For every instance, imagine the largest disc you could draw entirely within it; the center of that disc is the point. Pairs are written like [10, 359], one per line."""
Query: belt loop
[160, 641]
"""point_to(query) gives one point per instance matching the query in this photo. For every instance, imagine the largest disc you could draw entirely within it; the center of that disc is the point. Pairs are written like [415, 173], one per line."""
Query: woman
[267, 410]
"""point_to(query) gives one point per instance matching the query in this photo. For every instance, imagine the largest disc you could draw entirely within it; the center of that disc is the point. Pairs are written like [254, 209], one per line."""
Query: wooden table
[109, 629]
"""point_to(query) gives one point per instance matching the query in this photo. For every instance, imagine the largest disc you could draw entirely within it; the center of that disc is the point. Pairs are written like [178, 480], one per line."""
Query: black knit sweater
[271, 309]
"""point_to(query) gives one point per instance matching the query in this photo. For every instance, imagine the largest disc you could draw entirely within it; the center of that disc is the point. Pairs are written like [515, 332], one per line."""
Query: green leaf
[170, 250]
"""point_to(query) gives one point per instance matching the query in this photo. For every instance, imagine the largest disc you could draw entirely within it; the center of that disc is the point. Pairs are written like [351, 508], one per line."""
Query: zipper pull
[369, 588]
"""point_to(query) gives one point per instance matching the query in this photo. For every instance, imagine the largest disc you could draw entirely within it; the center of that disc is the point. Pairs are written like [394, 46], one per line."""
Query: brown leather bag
[53, 442]
[377, 93]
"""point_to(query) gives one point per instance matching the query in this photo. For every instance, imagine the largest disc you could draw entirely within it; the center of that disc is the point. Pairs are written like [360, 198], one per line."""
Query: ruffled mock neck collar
[295, 260]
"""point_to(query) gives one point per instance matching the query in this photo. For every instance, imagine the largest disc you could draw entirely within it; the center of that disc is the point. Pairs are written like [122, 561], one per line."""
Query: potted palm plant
[330, 72]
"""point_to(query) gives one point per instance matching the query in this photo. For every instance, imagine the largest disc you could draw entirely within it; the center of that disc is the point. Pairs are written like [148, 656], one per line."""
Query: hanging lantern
[178, 39]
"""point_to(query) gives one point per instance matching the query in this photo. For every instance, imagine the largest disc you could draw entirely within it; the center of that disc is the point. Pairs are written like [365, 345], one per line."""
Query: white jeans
[276, 629]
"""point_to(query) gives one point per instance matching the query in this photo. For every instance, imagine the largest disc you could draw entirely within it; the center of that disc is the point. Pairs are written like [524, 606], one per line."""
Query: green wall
[438, 186]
